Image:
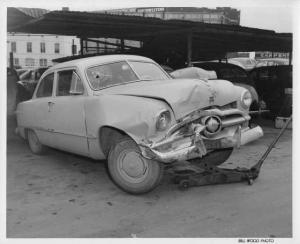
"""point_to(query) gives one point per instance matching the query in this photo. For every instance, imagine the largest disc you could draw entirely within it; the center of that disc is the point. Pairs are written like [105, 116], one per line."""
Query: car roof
[90, 61]
[218, 65]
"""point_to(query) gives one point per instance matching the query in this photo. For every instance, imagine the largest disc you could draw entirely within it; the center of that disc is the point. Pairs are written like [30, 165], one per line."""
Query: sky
[265, 14]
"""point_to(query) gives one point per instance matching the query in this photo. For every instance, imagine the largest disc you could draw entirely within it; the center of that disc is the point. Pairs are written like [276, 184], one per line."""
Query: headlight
[163, 120]
[246, 99]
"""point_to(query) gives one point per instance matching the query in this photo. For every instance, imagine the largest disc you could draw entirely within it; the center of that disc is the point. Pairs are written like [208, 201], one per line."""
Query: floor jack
[196, 176]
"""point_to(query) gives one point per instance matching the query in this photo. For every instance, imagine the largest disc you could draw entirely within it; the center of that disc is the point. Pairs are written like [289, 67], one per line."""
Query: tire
[130, 171]
[213, 158]
[34, 144]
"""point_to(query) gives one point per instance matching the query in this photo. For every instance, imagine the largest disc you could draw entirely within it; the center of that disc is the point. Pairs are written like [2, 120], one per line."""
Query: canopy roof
[208, 36]
[162, 39]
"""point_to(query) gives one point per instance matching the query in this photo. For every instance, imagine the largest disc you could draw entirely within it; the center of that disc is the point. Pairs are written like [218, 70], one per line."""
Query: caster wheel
[184, 185]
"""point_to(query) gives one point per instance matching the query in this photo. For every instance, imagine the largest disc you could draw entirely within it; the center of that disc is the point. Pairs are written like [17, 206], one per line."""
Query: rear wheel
[130, 171]
[213, 158]
[34, 143]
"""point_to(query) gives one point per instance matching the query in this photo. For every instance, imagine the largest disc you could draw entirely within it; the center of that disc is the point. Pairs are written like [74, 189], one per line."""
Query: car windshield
[119, 73]
[148, 71]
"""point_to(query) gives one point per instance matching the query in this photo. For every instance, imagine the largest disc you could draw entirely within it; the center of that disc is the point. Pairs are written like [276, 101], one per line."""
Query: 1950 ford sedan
[128, 110]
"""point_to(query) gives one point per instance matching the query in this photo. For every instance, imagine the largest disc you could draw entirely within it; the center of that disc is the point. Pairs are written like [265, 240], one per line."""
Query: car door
[39, 110]
[67, 113]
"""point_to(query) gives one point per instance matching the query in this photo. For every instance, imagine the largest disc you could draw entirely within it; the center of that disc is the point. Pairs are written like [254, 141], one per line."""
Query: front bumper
[193, 146]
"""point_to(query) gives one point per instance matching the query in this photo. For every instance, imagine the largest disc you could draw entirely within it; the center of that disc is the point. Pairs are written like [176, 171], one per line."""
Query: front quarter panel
[136, 116]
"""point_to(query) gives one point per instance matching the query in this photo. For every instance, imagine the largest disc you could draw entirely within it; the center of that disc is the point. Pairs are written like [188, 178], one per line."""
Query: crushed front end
[203, 131]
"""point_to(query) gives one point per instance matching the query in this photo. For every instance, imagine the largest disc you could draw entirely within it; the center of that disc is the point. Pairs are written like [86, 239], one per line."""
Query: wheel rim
[33, 140]
[132, 166]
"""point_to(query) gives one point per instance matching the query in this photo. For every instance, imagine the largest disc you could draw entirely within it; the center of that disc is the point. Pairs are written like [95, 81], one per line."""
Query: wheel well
[108, 136]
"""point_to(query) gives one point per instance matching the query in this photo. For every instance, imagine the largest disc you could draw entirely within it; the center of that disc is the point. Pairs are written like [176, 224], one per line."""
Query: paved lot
[64, 195]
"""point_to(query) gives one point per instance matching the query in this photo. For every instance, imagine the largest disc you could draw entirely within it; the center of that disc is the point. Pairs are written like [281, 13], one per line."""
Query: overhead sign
[271, 55]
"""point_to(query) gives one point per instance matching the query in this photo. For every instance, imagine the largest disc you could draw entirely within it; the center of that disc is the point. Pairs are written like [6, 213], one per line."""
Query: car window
[148, 71]
[68, 80]
[46, 86]
[106, 75]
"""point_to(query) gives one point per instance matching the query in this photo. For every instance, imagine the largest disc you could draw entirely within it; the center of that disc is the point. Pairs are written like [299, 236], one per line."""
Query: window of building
[46, 86]
[43, 47]
[43, 62]
[16, 61]
[29, 62]
[29, 47]
[14, 47]
[56, 47]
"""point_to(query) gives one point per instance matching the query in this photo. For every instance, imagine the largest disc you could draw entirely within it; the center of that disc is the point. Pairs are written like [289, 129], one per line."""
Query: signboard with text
[259, 55]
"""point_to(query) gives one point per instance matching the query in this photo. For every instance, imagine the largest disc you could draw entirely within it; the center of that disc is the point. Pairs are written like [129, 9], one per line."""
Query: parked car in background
[128, 110]
[28, 80]
[20, 71]
[272, 84]
[236, 75]
[271, 62]
[246, 63]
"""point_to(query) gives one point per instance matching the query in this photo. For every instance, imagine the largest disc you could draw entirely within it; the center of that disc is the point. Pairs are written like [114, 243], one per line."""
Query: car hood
[182, 95]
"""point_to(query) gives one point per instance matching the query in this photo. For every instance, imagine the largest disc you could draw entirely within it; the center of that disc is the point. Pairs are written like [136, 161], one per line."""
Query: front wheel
[130, 171]
[34, 144]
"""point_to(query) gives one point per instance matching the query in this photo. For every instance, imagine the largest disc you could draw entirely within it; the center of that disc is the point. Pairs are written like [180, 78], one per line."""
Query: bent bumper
[197, 146]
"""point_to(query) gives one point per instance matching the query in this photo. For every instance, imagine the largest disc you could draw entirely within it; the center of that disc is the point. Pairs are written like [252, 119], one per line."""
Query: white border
[110, 4]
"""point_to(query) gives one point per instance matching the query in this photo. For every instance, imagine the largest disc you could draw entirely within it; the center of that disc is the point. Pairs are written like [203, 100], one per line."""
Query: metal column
[81, 46]
[189, 49]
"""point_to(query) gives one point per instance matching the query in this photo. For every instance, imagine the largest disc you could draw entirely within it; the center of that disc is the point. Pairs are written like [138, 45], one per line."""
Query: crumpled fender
[136, 116]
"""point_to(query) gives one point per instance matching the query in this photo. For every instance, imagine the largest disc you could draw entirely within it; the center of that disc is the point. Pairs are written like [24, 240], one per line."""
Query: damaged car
[128, 110]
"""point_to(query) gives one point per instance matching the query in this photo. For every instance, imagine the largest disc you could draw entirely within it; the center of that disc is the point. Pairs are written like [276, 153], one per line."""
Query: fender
[136, 116]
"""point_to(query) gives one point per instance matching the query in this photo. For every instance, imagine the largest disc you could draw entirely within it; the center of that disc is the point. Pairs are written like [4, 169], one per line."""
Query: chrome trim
[251, 135]
[197, 147]
[210, 112]
[234, 121]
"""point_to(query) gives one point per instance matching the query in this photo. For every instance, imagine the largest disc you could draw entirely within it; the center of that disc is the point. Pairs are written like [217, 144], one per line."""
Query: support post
[85, 45]
[98, 47]
[81, 46]
[11, 60]
[73, 48]
[290, 57]
[189, 49]
[122, 45]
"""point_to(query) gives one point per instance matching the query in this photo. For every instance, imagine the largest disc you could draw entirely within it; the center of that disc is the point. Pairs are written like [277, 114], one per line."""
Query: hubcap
[132, 166]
